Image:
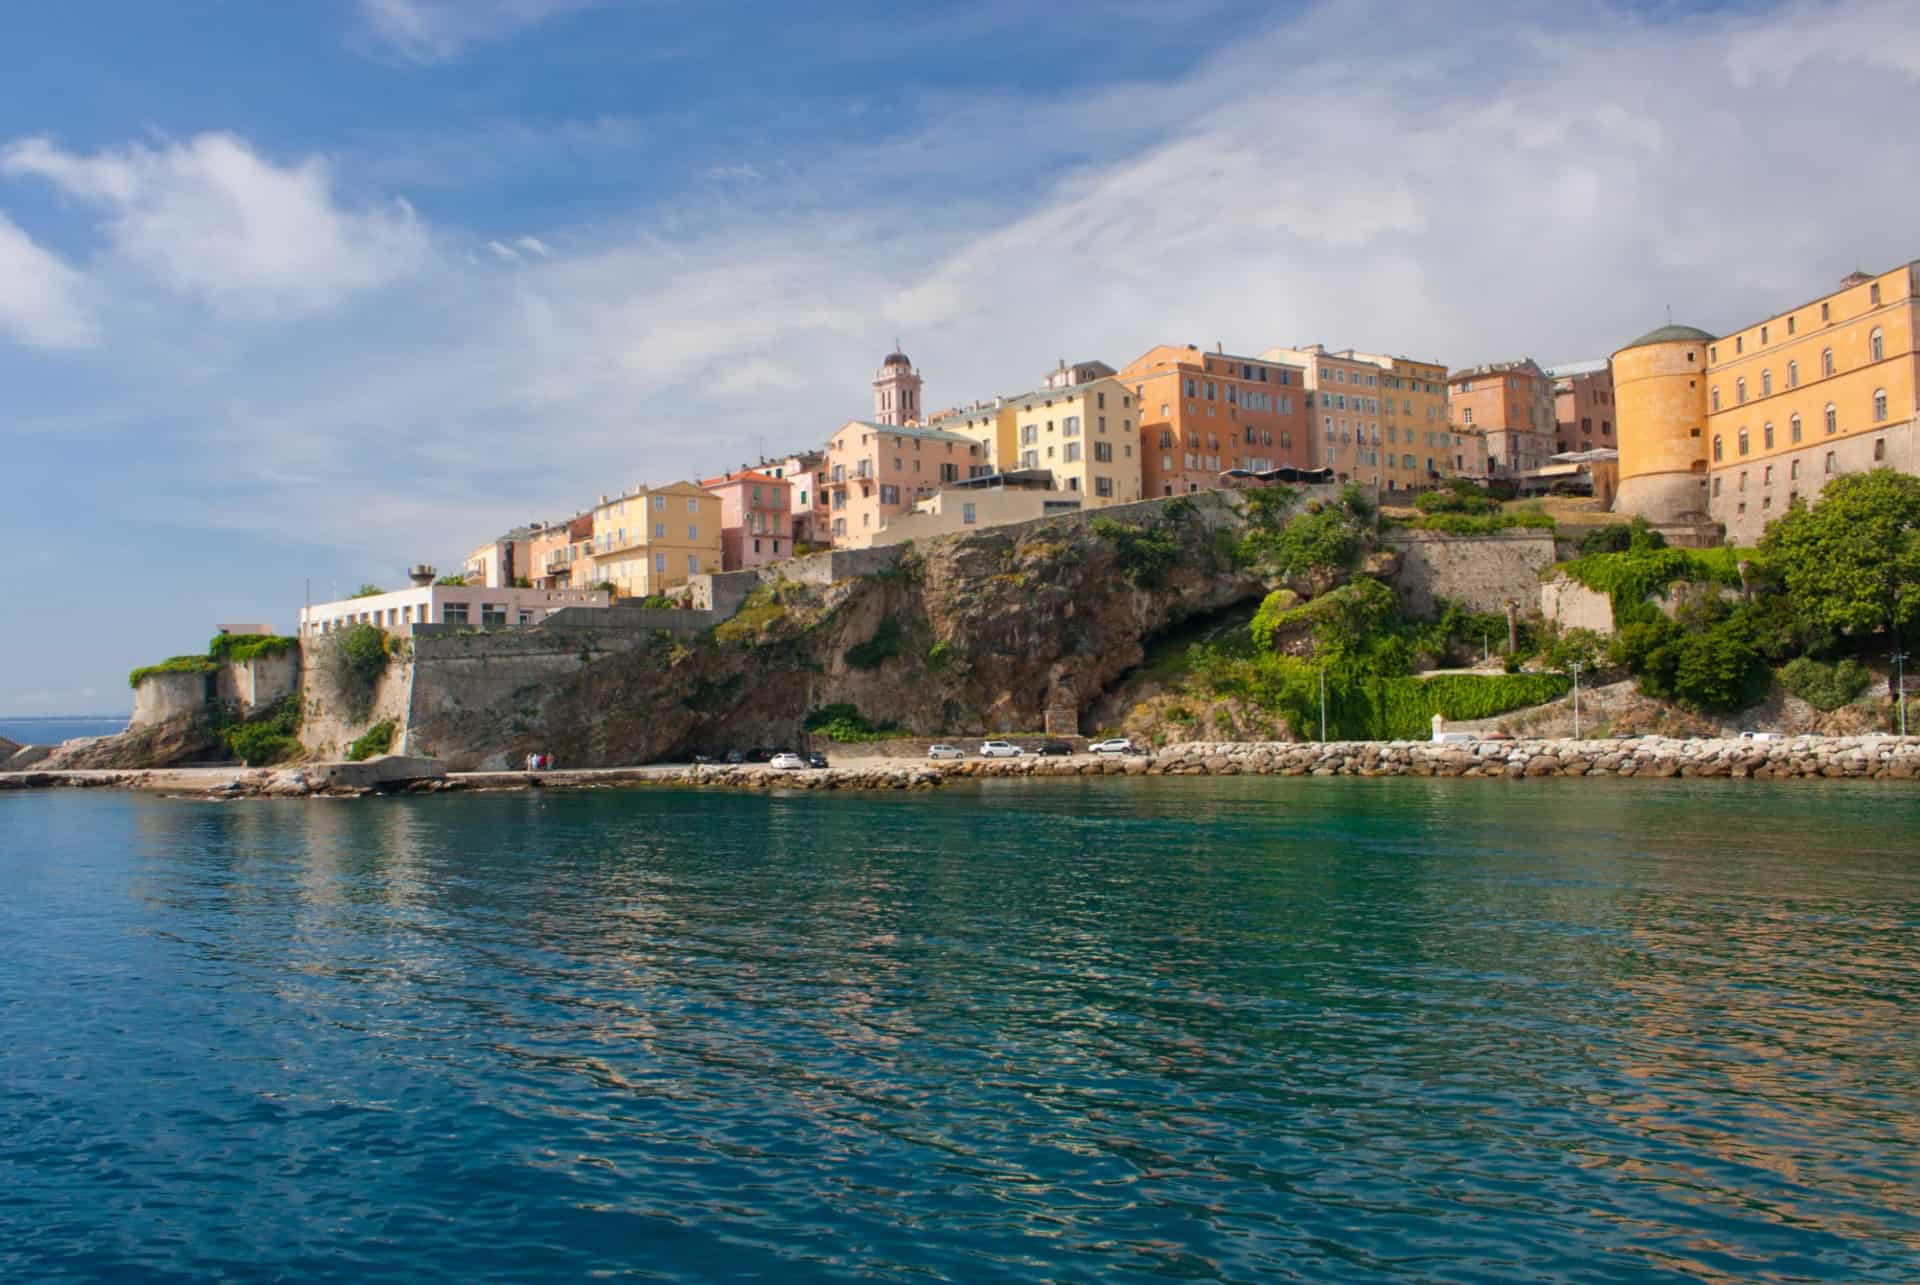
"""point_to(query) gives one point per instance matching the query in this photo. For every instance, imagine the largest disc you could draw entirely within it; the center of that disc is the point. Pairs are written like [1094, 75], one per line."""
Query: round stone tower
[896, 390]
[1660, 400]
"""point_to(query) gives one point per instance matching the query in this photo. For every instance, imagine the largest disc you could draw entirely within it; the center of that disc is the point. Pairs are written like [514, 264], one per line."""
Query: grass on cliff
[376, 740]
[224, 647]
[843, 723]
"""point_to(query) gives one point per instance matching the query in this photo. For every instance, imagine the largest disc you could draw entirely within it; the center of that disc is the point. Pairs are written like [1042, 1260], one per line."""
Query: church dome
[1671, 334]
[897, 358]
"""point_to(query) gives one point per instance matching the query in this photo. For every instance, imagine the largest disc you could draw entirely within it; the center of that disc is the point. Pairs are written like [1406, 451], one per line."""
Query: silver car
[1000, 750]
[946, 752]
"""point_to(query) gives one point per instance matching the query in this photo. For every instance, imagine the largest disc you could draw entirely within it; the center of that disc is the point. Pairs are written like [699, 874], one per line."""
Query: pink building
[875, 471]
[807, 472]
[756, 517]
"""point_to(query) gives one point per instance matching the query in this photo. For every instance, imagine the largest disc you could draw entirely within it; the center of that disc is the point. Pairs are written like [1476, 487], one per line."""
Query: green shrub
[1357, 500]
[939, 656]
[1457, 497]
[367, 591]
[1457, 523]
[173, 665]
[842, 722]
[883, 646]
[1145, 554]
[353, 659]
[257, 744]
[377, 739]
[238, 647]
[1705, 660]
[1825, 687]
[1572, 647]
[1324, 537]
[453, 582]
[1630, 578]
[522, 582]
[1266, 507]
[1619, 537]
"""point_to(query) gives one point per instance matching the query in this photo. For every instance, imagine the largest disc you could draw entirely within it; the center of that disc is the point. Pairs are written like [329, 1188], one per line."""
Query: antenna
[1669, 314]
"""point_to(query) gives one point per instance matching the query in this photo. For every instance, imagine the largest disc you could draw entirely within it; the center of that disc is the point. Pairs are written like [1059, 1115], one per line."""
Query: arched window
[1793, 374]
[1876, 345]
[1740, 390]
[1879, 405]
[1833, 419]
[1766, 437]
[1766, 383]
[1830, 461]
[1743, 441]
[1716, 397]
[1716, 448]
[1826, 363]
[1793, 430]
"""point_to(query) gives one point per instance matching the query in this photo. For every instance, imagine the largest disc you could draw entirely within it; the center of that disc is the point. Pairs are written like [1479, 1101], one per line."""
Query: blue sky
[296, 293]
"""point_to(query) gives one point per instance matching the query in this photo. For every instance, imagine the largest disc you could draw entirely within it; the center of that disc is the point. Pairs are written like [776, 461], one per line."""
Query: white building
[470, 606]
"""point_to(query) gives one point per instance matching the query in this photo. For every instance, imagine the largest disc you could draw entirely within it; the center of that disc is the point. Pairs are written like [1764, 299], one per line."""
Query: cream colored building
[971, 508]
[655, 538]
[461, 606]
[1375, 418]
[1086, 435]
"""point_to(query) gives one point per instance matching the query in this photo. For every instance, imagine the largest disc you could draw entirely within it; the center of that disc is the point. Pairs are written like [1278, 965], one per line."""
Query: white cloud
[210, 217]
[434, 30]
[40, 296]
[503, 251]
[534, 245]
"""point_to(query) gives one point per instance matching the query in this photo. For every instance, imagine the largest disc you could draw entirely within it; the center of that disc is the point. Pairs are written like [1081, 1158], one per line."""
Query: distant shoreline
[1794, 758]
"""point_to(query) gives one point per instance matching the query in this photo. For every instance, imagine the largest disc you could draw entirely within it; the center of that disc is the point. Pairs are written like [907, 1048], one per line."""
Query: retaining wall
[1483, 572]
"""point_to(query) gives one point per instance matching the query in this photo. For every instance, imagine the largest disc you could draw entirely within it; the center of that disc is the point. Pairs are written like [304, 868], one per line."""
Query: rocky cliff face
[1008, 629]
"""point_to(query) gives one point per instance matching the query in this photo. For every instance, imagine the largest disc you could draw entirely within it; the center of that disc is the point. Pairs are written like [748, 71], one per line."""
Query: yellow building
[1660, 394]
[655, 538]
[990, 424]
[1734, 429]
[1087, 436]
[1830, 387]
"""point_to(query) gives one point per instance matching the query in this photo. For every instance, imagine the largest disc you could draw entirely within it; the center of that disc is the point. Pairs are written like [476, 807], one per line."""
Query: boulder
[388, 771]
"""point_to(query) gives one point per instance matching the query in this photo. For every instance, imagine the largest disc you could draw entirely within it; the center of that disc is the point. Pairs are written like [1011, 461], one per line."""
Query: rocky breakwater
[1827, 758]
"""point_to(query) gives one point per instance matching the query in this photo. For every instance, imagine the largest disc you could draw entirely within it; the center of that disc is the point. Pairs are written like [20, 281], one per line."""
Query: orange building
[756, 517]
[1511, 402]
[1375, 418]
[1202, 413]
[1583, 411]
[876, 471]
[561, 554]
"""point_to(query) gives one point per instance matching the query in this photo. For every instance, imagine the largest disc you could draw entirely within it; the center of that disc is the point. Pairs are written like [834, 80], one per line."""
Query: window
[1103, 452]
[1743, 443]
[660, 563]
[526, 617]
[1070, 452]
[1766, 437]
[1826, 312]
[1740, 391]
[1716, 486]
[659, 530]
[1873, 294]
[1793, 374]
[1716, 448]
[1830, 461]
[1766, 478]
[1766, 383]
[1826, 363]
[1790, 325]
[1713, 354]
[890, 494]
[1739, 343]
[660, 504]
[1833, 419]
[693, 501]
[1793, 469]
[1029, 434]
[1879, 405]
[693, 533]
[1103, 486]
[1070, 426]
[1466, 415]
[1716, 400]
[1879, 448]
[1793, 430]
[453, 613]
[1876, 345]
[1763, 334]
[693, 562]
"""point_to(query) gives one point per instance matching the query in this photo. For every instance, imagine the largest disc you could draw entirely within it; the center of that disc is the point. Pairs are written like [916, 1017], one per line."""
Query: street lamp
[1576, 699]
[1900, 668]
[1323, 703]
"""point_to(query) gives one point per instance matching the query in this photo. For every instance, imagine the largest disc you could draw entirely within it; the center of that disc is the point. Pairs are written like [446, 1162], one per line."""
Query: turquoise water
[1233, 1029]
[52, 731]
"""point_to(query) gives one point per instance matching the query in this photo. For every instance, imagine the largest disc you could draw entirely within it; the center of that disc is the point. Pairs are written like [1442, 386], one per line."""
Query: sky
[295, 296]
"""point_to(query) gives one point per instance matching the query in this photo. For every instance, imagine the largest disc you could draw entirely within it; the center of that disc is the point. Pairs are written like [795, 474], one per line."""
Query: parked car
[762, 754]
[946, 752]
[1055, 748]
[699, 758]
[1112, 745]
[1000, 750]
[816, 759]
[736, 756]
[787, 762]
[1762, 736]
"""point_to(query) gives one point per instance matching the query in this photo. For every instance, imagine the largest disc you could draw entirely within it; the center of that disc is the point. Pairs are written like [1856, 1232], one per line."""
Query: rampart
[1483, 572]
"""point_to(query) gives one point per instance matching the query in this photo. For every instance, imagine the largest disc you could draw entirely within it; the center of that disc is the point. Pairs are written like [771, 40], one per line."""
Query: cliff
[1008, 629]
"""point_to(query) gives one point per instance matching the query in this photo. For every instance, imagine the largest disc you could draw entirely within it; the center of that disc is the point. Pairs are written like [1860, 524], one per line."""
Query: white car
[1112, 745]
[946, 752]
[787, 762]
[1000, 750]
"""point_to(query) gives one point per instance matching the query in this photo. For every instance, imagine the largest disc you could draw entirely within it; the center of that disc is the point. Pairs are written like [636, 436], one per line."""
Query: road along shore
[1890, 758]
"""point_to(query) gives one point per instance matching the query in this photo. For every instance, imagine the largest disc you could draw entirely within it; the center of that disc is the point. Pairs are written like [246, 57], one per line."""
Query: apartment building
[655, 538]
[806, 473]
[1512, 403]
[1829, 387]
[1202, 413]
[1374, 417]
[1085, 435]
[501, 562]
[875, 471]
[560, 554]
[756, 517]
[1583, 410]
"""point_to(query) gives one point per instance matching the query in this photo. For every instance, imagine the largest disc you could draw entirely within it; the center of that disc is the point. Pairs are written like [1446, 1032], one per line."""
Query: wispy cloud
[211, 218]
[429, 31]
[40, 296]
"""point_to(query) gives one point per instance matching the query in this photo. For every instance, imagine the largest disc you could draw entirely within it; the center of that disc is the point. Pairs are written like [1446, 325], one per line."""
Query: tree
[367, 591]
[1851, 563]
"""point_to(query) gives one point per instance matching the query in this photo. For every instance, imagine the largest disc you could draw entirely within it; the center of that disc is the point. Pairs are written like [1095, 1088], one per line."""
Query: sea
[66, 727]
[1121, 1029]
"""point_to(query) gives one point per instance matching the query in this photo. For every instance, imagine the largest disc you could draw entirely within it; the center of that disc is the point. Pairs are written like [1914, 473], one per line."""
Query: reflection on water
[1236, 1029]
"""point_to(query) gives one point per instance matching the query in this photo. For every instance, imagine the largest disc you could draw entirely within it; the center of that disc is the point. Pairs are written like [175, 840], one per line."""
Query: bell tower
[896, 390]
